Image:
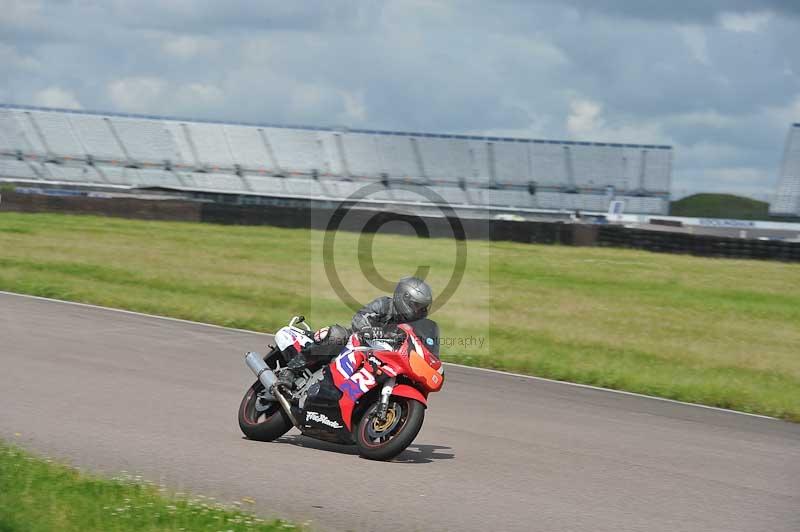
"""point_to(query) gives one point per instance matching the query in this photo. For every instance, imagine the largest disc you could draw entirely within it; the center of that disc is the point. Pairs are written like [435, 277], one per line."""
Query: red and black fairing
[352, 377]
[321, 417]
[414, 363]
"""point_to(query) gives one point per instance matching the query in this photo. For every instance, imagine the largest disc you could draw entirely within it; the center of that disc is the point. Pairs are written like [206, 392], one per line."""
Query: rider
[411, 301]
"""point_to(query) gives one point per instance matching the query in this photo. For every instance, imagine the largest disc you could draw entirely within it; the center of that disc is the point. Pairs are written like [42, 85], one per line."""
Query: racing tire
[266, 425]
[376, 444]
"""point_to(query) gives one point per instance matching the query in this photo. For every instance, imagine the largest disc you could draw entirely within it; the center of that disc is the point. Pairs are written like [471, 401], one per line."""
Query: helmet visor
[419, 309]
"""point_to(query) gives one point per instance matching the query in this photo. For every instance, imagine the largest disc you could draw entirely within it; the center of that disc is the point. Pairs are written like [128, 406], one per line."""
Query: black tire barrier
[307, 215]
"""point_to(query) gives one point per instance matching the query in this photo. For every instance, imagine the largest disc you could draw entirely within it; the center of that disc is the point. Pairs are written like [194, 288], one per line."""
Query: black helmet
[412, 299]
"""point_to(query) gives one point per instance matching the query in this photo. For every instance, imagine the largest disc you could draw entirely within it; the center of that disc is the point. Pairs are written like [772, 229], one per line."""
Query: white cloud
[741, 174]
[538, 50]
[139, 94]
[355, 110]
[694, 37]
[745, 22]
[586, 122]
[638, 72]
[156, 95]
[756, 183]
[706, 154]
[199, 94]
[307, 96]
[11, 58]
[56, 97]
[20, 12]
[258, 50]
[708, 118]
[189, 46]
[782, 116]
[584, 118]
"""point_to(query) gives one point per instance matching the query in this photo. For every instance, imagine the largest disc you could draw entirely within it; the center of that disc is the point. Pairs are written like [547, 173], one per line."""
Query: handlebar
[299, 320]
[384, 336]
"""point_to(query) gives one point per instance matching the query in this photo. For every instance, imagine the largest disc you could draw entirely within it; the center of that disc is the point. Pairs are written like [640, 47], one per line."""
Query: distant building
[787, 197]
[134, 151]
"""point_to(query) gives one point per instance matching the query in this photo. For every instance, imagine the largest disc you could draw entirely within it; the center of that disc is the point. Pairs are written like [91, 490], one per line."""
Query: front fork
[383, 405]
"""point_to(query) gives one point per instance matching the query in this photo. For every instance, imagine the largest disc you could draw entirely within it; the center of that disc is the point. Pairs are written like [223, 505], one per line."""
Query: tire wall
[302, 215]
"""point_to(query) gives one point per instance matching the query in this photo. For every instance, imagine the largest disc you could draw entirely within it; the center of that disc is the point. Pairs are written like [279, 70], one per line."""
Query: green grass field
[720, 206]
[39, 495]
[713, 331]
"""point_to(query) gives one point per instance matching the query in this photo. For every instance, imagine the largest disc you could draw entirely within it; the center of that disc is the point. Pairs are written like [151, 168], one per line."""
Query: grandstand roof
[351, 130]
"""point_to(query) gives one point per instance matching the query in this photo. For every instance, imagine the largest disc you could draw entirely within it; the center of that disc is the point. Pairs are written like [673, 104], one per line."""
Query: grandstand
[787, 197]
[140, 151]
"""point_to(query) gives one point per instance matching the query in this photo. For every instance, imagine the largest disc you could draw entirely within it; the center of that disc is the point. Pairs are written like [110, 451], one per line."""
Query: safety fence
[315, 215]
[700, 245]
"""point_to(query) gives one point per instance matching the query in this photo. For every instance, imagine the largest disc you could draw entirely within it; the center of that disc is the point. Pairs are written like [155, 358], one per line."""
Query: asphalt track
[111, 391]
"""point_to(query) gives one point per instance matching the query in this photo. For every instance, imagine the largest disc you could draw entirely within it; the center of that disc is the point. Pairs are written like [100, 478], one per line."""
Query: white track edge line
[612, 390]
[133, 312]
[474, 368]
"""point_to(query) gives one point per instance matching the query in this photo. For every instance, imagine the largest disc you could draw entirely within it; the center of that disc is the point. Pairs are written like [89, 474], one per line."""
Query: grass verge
[719, 332]
[39, 495]
[720, 206]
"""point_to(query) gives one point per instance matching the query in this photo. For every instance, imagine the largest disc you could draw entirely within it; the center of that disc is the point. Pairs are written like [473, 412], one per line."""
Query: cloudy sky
[718, 79]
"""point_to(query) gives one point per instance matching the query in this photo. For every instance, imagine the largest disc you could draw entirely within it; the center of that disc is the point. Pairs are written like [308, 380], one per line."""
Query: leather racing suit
[329, 341]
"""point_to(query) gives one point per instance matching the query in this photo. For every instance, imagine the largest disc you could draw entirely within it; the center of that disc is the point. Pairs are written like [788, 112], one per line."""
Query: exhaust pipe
[259, 367]
[267, 377]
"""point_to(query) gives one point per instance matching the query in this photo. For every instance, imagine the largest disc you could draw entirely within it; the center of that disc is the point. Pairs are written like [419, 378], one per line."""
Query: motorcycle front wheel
[383, 440]
[260, 420]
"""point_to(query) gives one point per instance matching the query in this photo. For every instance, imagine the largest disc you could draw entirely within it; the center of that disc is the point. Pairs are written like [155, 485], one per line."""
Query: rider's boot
[328, 342]
[293, 369]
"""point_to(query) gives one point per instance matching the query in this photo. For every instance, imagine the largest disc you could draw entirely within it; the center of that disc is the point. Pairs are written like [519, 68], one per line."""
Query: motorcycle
[373, 394]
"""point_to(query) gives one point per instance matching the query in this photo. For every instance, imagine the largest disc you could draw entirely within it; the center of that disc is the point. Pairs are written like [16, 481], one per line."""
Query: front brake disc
[380, 429]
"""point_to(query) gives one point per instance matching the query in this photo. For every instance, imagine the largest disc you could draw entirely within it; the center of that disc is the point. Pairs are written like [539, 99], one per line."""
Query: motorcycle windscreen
[428, 332]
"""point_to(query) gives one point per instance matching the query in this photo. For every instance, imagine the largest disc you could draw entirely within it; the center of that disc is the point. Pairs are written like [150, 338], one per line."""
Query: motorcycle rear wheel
[266, 425]
[384, 441]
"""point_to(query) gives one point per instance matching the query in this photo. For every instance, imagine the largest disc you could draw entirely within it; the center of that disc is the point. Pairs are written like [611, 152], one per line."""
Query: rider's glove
[371, 333]
[377, 371]
[398, 335]
[321, 334]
